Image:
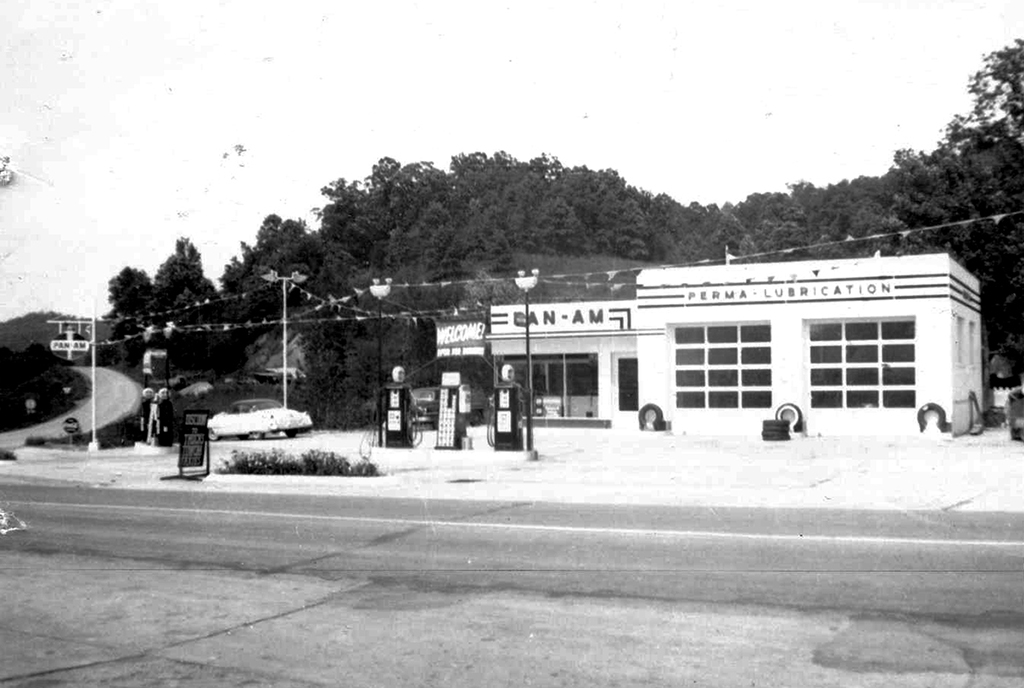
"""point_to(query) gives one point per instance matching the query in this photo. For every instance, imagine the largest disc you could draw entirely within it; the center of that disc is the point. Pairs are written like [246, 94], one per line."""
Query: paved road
[116, 394]
[190, 588]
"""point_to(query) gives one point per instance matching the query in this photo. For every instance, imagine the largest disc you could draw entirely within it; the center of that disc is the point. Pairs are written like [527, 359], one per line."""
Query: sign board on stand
[194, 451]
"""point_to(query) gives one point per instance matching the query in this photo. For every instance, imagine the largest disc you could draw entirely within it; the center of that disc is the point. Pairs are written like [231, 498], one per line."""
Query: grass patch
[116, 434]
[7, 455]
[312, 462]
[45, 388]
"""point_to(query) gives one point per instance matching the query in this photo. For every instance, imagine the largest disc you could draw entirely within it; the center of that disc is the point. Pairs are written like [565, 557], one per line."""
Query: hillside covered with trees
[450, 234]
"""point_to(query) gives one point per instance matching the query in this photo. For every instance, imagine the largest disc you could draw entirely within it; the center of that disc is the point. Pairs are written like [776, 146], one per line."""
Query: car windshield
[423, 394]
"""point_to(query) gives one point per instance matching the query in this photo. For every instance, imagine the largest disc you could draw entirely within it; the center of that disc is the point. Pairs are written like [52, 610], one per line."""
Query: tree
[180, 282]
[179, 287]
[131, 295]
[977, 171]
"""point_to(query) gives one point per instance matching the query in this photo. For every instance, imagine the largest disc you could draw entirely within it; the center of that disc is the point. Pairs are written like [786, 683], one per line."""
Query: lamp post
[380, 291]
[295, 278]
[526, 283]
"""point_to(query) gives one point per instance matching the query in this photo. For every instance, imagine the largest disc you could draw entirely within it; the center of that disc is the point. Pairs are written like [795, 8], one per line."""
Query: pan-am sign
[70, 346]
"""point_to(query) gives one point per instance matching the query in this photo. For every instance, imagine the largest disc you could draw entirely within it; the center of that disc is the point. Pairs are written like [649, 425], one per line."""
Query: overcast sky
[123, 115]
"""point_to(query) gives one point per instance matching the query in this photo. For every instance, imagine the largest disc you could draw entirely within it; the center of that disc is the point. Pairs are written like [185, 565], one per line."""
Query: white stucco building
[870, 346]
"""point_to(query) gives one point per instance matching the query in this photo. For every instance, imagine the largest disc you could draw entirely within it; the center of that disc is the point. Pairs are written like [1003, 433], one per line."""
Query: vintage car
[427, 406]
[1015, 413]
[256, 418]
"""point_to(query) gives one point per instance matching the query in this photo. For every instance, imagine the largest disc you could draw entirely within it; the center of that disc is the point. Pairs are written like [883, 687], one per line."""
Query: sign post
[194, 451]
[71, 426]
[72, 345]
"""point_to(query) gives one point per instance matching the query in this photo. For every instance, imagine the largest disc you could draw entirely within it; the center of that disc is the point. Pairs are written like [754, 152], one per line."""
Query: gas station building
[883, 345]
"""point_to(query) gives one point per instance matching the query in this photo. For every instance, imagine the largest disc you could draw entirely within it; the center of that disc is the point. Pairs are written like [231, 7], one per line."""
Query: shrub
[35, 441]
[312, 462]
[7, 455]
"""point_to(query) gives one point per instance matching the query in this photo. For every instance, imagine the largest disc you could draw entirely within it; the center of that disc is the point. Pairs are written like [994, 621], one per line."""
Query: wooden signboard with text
[194, 451]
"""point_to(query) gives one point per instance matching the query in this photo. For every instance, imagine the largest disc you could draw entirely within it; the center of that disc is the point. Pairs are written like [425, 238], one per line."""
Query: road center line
[582, 530]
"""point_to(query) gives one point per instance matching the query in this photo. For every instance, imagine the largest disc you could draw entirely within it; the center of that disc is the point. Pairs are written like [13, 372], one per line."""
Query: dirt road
[116, 395]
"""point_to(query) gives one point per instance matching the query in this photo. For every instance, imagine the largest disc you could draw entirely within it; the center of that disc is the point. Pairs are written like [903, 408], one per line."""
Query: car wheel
[213, 436]
[290, 433]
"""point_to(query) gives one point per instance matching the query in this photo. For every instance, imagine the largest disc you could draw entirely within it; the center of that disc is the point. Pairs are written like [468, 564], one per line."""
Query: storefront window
[723, 366]
[567, 384]
[863, 364]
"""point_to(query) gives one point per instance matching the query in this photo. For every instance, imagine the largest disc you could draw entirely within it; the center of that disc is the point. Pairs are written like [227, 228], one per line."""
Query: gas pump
[398, 410]
[452, 411]
[509, 412]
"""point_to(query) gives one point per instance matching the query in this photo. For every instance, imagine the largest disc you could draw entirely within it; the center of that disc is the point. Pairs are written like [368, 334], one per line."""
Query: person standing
[165, 418]
[142, 431]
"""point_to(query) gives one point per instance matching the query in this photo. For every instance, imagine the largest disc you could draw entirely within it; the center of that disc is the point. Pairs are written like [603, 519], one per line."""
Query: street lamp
[526, 283]
[380, 291]
[296, 278]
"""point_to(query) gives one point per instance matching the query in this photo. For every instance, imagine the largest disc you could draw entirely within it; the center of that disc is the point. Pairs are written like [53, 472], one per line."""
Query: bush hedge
[7, 455]
[312, 462]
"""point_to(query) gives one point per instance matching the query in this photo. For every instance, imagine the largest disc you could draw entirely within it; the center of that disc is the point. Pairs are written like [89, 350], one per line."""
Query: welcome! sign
[461, 338]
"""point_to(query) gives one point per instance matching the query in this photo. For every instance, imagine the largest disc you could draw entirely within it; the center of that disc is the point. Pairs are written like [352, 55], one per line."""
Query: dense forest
[452, 235]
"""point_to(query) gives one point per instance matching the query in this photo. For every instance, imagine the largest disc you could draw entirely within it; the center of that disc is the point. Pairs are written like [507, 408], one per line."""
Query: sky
[131, 123]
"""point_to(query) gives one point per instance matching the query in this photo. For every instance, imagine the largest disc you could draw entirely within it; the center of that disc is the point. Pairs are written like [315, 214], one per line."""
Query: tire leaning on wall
[651, 418]
[793, 414]
[927, 410]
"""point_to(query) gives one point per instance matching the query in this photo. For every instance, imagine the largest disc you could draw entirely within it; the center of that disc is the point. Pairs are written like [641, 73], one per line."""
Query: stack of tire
[775, 430]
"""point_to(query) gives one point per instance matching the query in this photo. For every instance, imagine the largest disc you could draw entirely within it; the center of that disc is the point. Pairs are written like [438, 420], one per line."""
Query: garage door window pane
[689, 335]
[898, 353]
[689, 378]
[826, 354]
[723, 400]
[826, 398]
[756, 355]
[756, 333]
[899, 376]
[689, 357]
[861, 330]
[722, 378]
[826, 332]
[899, 398]
[826, 377]
[863, 353]
[689, 399]
[721, 356]
[722, 335]
[757, 377]
[903, 329]
[862, 377]
[757, 400]
[862, 398]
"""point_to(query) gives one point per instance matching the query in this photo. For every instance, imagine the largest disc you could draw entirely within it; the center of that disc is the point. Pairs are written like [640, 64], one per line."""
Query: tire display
[775, 430]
